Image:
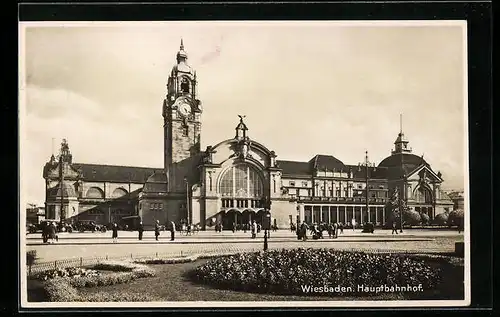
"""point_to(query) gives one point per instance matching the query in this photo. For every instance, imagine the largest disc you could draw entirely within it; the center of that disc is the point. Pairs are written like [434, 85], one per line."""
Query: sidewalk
[224, 235]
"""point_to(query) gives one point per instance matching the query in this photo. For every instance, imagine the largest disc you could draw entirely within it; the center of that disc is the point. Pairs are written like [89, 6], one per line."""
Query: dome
[407, 161]
[68, 190]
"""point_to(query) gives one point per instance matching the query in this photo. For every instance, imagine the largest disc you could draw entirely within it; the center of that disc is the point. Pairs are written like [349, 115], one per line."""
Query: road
[89, 245]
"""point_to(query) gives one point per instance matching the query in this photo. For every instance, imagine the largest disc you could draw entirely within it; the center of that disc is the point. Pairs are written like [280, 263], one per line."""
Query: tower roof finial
[182, 44]
[401, 123]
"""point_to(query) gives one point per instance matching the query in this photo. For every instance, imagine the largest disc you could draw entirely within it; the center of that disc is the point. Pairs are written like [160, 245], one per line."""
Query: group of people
[140, 230]
[316, 230]
[49, 232]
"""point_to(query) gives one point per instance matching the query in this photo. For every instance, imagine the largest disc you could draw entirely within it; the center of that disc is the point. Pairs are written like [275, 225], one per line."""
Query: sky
[306, 88]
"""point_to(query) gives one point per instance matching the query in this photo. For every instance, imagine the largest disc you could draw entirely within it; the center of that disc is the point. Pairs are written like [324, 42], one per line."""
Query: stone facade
[237, 180]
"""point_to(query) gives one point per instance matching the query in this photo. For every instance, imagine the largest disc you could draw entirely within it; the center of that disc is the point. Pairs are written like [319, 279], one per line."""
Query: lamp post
[366, 164]
[187, 201]
[402, 204]
[266, 221]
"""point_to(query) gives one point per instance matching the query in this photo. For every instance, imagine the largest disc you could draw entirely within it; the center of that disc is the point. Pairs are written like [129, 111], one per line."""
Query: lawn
[172, 283]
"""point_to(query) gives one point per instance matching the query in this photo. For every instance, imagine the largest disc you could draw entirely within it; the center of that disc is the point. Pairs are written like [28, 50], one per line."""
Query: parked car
[368, 227]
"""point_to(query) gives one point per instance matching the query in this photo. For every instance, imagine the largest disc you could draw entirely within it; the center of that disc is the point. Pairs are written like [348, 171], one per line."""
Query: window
[360, 186]
[185, 130]
[160, 206]
[292, 183]
[304, 184]
[381, 187]
[241, 181]
[185, 85]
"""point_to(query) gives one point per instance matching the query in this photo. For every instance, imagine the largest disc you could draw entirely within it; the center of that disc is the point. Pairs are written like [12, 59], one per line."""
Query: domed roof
[407, 161]
[68, 190]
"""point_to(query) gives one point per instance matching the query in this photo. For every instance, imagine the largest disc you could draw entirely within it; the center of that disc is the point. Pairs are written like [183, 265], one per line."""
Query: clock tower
[182, 125]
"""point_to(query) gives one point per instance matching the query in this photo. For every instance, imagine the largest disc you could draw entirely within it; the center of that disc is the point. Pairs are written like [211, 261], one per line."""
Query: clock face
[184, 109]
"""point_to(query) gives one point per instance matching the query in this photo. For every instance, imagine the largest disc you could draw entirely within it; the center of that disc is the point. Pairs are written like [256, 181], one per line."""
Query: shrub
[441, 219]
[62, 287]
[286, 271]
[411, 217]
[456, 217]
[424, 218]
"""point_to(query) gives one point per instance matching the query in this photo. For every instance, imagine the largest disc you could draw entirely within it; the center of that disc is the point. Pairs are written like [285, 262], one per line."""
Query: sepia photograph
[244, 164]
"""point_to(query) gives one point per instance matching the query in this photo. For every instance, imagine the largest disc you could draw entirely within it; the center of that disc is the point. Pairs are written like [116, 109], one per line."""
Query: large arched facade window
[423, 195]
[94, 192]
[119, 192]
[242, 180]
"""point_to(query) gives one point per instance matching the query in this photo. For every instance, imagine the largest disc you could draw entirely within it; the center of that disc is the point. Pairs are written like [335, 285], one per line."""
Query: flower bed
[287, 271]
[65, 272]
[64, 288]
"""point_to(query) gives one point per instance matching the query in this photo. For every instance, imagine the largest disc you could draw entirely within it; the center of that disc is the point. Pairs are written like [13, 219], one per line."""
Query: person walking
[172, 231]
[141, 230]
[52, 232]
[157, 229]
[115, 233]
[353, 222]
[394, 229]
[335, 230]
[254, 230]
[303, 231]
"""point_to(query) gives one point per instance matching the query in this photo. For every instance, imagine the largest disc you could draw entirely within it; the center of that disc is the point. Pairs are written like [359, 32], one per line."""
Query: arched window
[94, 192]
[185, 85]
[119, 192]
[423, 195]
[243, 181]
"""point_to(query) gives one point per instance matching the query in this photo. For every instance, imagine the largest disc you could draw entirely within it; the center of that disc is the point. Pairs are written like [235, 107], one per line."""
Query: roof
[328, 162]
[294, 167]
[373, 172]
[407, 160]
[115, 173]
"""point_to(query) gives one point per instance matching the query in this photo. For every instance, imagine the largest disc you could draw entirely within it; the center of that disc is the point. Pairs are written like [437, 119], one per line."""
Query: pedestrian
[341, 227]
[52, 232]
[394, 229]
[157, 229]
[335, 230]
[172, 231]
[353, 222]
[45, 232]
[303, 231]
[254, 230]
[115, 233]
[298, 231]
[141, 230]
[234, 227]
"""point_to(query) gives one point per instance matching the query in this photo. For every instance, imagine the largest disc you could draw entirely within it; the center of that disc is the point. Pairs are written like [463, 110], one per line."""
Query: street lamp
[187, 201]
[366, 164]
[266, 221]
[402, 204]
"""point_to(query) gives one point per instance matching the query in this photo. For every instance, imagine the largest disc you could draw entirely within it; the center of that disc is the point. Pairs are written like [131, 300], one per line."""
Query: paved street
[88, 245]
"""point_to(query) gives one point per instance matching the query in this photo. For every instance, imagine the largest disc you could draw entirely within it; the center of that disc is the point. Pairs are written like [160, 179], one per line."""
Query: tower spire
[182, 45]
[401, 123]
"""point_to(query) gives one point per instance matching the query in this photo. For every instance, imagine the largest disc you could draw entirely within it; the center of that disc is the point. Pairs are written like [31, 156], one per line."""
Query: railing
[341, 199]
